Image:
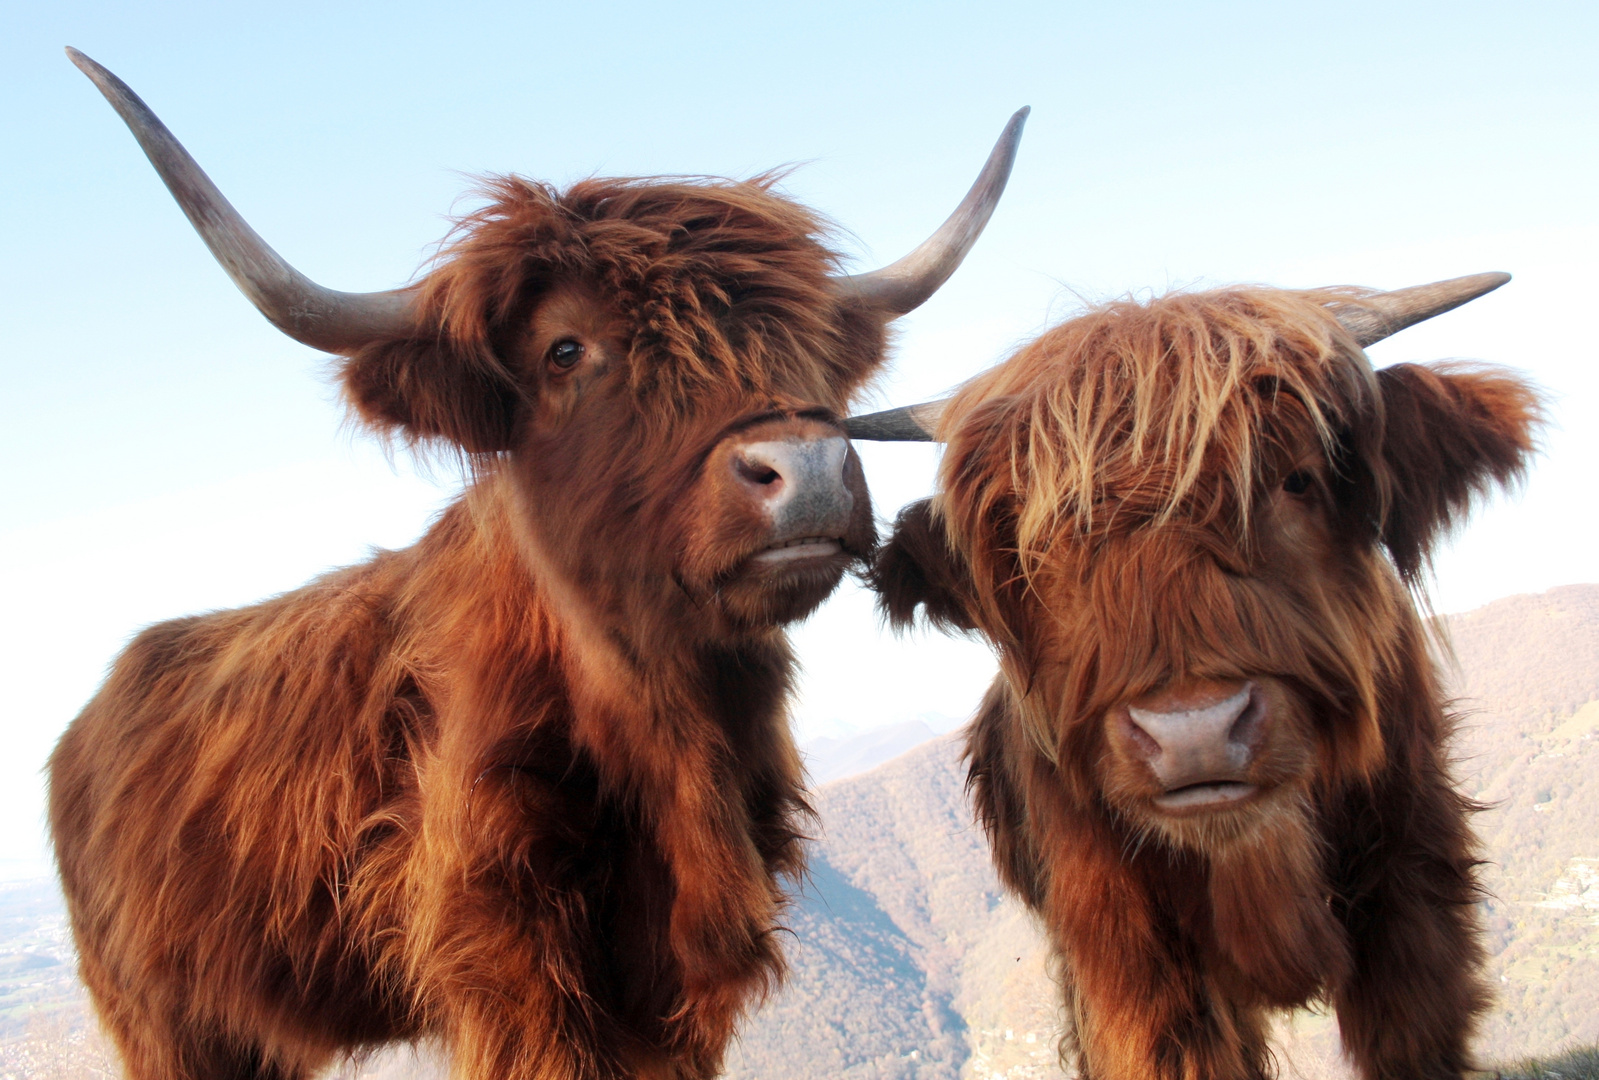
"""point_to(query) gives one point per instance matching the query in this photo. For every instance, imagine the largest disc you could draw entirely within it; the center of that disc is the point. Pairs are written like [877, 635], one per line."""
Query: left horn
[326, 319]
[912, 423]
[1384, 314]
[903, 286]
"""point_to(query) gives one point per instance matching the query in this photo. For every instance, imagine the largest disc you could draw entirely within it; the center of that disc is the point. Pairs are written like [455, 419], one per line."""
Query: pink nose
[1199, 746]
[799, 483]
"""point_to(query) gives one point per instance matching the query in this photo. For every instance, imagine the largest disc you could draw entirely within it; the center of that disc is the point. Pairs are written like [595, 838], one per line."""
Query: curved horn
[912, 423]
[1379, 316]
[321, 318]
[903, 286]
[1375, 318]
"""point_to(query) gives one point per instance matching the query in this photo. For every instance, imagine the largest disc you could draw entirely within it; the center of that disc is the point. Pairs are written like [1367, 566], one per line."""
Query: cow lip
[1201, 796]
[801, 547]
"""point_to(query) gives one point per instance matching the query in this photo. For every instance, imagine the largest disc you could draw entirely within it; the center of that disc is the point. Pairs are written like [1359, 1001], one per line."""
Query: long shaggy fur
[1142, 413]
[526, 788]
[1217, 489]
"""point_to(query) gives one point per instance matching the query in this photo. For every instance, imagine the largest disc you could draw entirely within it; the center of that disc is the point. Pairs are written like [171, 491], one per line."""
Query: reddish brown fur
[1119, 513]
[526, 787]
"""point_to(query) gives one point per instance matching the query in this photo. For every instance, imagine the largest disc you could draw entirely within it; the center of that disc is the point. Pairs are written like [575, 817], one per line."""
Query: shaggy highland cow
[1215, 760]
[526, 788]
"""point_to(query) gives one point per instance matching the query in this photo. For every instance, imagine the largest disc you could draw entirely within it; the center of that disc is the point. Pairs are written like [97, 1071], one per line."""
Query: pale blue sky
[170, 451]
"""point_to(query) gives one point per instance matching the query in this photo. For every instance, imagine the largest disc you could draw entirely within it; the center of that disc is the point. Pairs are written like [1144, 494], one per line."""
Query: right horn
[326, 319]
[903, 286]
[1380, 315]
[911, 423]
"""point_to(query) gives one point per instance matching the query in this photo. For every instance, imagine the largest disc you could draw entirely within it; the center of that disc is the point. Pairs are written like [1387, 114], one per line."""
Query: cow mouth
[786, 580]
[1206, 795]
[800, 549]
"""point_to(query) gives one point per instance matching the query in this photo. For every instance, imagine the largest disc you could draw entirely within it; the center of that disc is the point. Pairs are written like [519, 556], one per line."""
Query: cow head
[654, 371]
[1189, 526]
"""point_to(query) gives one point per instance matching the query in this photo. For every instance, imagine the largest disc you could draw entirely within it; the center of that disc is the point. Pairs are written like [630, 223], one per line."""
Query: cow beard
[1156, 935]
[1270, 901]
[1270, 905]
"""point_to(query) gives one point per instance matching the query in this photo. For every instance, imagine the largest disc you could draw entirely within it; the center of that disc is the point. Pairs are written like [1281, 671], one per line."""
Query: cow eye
[1298, 482]
[563, 354]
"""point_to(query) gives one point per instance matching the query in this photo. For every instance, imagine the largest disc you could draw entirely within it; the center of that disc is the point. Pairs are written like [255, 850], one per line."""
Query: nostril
[1247, 728]
[757, 472]
[1142, 741]
[798, 483]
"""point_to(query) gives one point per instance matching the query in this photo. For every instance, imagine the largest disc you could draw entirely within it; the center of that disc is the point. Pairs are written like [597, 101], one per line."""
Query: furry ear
[916, 568]
[1451, 433]
[433, 387]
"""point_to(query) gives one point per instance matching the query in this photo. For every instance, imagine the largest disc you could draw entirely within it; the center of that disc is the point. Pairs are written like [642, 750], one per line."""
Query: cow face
[1182, 523]
[751, 505]
[670, 423]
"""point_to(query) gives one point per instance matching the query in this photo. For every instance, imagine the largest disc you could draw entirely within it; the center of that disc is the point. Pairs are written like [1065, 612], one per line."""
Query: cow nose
[1199, 744]
[799, 483]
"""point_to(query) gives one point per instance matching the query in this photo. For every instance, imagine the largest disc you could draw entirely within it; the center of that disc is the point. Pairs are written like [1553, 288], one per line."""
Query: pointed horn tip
[910, 423]
[905, 284]
[1010, 139]
[102, 77]
[1383, 314]
[83, 62]
[1467, 287]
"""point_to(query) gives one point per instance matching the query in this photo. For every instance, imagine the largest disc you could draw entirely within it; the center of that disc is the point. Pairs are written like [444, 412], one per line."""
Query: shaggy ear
[916, 568]
[1451, 433]
[424, 389]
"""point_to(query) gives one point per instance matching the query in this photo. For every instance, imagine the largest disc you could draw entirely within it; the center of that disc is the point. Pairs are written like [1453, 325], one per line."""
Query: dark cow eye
[1298, 482]
[563, 354]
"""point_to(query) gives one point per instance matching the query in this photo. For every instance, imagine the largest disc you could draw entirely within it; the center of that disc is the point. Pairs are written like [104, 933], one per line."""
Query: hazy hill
[828, 759]
[908, 963]
[1529, 677]
[948, 964]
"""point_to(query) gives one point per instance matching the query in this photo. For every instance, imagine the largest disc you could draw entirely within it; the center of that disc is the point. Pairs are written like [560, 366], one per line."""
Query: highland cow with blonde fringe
[1215, 760]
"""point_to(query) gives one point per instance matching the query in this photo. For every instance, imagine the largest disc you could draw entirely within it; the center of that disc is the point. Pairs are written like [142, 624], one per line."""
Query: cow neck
[691, 739]
[646, 660]
[627, 645]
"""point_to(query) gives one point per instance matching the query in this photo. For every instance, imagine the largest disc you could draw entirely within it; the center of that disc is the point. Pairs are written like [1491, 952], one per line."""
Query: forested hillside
[1528, 680]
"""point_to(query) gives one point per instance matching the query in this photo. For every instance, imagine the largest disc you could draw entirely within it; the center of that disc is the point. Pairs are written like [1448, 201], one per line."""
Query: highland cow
[526, 788]
[1215, 759]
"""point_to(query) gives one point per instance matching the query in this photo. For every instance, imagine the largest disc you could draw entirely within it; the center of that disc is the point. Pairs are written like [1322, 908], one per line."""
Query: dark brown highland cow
[1215, 759]
[526, 788]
